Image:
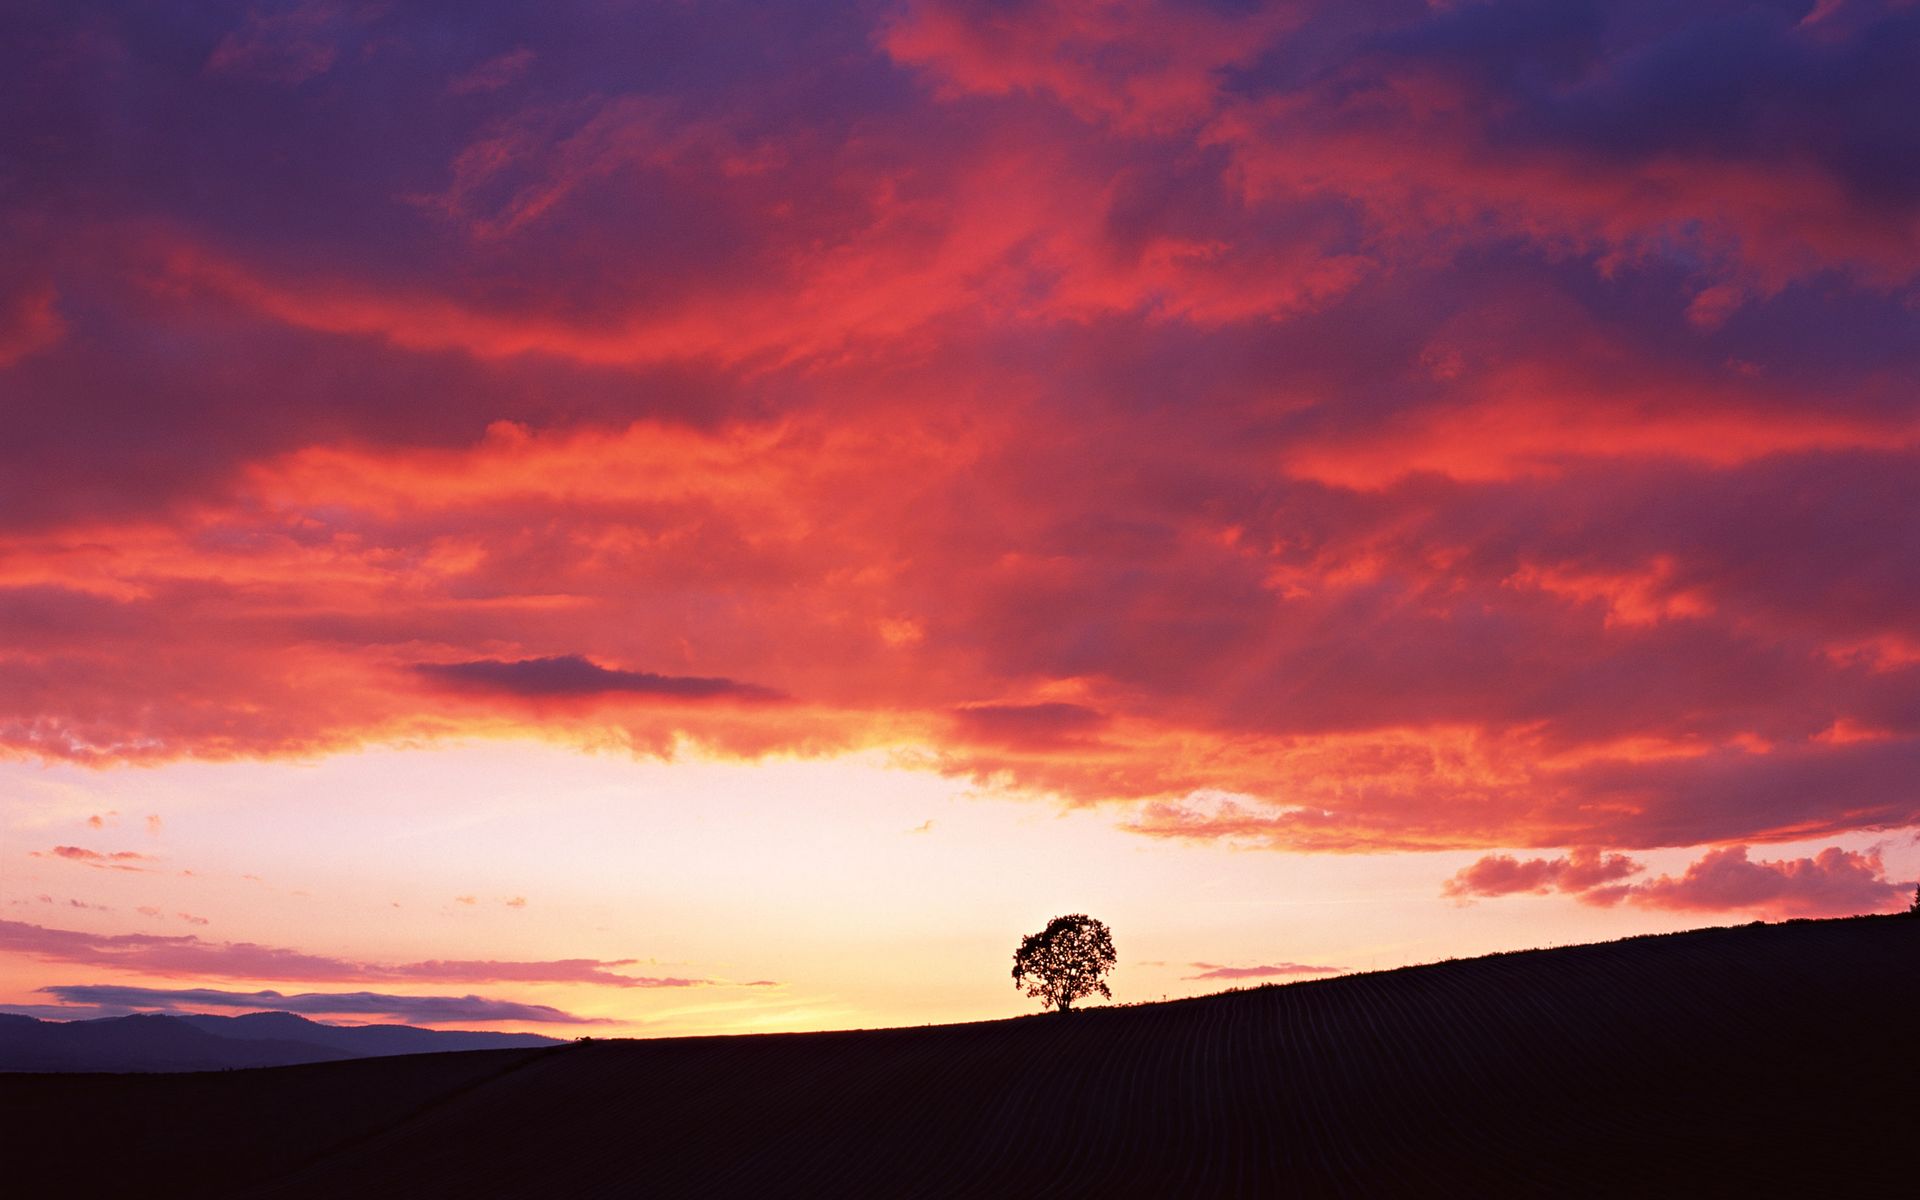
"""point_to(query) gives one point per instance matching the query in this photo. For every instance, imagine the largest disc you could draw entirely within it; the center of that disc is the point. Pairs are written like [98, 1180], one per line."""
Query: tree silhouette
[1065, 961]
[1914, 910]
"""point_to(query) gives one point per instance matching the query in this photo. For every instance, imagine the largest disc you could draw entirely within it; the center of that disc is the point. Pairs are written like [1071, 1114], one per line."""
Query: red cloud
[1329, 427]
[1833, 883]
[1502, 874]
[1459, 120]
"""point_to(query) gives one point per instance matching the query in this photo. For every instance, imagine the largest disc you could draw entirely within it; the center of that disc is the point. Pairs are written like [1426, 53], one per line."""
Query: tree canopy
[1065, 961]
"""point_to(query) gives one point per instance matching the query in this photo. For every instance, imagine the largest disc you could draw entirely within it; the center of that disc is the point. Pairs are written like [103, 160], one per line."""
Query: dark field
[1773, 1060]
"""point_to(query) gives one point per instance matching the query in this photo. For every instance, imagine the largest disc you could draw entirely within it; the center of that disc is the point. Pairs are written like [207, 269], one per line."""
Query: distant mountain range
[207, 1043]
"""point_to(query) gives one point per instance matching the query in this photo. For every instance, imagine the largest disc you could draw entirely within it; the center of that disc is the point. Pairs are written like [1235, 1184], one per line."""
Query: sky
[651, 518]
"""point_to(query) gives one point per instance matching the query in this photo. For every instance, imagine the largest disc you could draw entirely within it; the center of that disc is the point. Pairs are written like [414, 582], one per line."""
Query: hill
[1759, 1060]
[210, 1043]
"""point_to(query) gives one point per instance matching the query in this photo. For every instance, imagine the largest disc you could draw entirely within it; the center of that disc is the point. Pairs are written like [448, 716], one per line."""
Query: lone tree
[1914, 911]
[1065, 961]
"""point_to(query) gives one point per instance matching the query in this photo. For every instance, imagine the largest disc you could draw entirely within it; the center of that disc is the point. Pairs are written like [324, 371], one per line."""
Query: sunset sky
[646, 518]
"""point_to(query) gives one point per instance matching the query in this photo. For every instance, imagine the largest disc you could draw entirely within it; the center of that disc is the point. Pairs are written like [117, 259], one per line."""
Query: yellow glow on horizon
[872, 892]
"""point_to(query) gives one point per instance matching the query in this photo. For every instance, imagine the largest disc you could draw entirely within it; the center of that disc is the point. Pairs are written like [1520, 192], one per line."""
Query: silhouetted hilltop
[210, 1043]
[1759, 1060]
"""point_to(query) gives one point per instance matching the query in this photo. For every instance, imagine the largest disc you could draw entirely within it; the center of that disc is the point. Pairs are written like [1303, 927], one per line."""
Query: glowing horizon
[683, 897]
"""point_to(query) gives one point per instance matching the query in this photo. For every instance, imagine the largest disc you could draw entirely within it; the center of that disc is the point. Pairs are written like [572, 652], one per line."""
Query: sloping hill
[209, 1043]
[1775, 1060]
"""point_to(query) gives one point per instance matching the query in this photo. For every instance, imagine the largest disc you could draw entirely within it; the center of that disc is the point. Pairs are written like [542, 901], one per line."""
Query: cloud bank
[420, 1010]
[1329, 426]
[1833, 883]
[1270, 971]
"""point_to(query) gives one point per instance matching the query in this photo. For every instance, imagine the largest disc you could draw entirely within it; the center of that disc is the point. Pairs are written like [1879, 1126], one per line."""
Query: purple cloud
[190, 955]
[571, 675]
[426, 1010]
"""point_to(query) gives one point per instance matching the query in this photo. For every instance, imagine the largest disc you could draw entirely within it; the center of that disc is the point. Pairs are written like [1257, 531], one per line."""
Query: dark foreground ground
[1764, 1060]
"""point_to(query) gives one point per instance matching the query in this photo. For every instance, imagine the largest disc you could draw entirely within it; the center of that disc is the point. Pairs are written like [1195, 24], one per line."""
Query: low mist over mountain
[155, 1042]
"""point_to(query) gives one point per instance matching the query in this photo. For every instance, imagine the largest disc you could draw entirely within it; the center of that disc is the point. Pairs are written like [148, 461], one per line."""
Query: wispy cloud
[570, 675]
[1269, 971]
[116, 860]
[187, 955]
[427, 1010]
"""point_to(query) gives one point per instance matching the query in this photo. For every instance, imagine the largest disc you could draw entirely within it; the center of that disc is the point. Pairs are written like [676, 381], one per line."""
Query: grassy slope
[1776, 1060]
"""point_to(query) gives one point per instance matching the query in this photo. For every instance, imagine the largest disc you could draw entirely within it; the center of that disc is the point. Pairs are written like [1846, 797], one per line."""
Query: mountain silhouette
[157, 1042]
